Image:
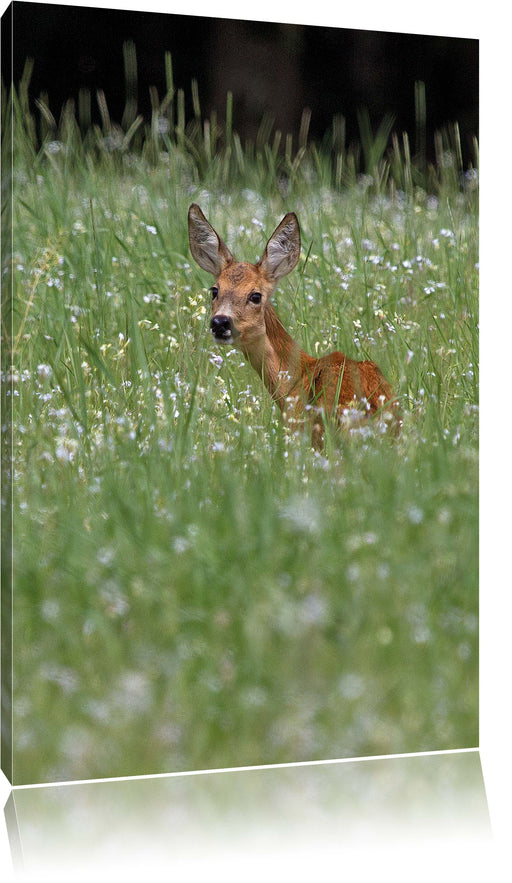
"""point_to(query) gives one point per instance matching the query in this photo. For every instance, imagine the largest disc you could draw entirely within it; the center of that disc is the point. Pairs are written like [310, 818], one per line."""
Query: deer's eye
[214, 292]
[255, 297]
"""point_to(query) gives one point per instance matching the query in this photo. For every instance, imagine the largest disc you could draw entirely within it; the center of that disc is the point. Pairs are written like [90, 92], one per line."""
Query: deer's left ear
[283, 248]
[207, 248]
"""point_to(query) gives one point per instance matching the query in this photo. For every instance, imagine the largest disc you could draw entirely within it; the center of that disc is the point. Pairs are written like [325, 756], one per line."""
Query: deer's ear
[283, 248]
[207, 248]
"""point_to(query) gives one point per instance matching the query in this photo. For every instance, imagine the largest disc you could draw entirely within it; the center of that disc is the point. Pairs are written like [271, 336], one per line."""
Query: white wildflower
[44, 372]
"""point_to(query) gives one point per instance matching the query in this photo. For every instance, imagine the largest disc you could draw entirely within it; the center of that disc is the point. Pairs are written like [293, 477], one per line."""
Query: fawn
[306, 389]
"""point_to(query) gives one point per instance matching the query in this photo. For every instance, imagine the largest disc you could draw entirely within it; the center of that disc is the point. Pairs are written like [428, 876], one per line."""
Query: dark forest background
[270, 68]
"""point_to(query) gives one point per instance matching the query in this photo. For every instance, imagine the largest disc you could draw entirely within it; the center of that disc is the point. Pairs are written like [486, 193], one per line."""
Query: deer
[309, 391]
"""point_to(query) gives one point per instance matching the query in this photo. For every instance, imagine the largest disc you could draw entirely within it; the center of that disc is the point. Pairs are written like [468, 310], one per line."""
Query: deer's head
[241, 290]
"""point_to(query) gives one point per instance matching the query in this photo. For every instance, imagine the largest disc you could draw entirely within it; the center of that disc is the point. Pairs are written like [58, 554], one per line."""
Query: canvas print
[239, 393]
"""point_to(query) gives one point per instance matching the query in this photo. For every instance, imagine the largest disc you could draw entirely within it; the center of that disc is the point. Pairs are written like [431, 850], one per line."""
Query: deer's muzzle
[222, 328]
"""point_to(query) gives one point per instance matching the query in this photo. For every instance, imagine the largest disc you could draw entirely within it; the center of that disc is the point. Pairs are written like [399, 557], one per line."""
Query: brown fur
[306, 389]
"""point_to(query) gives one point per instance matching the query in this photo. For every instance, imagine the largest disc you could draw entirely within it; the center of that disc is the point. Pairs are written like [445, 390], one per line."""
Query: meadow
[195, 587]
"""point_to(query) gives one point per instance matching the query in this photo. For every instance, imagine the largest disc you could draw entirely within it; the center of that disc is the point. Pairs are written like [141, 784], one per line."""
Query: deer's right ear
[207, 248]
[283, 248]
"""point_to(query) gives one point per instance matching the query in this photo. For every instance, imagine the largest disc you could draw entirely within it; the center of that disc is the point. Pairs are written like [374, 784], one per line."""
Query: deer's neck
[279, 360]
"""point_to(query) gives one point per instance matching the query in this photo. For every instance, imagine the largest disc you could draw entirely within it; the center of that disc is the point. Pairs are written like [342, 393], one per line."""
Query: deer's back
[336, 379]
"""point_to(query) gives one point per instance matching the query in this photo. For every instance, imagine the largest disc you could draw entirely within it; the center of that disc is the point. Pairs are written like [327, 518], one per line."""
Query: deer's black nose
[221, 327]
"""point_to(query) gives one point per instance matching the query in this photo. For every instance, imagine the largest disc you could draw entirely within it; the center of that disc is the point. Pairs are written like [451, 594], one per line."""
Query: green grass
[192, 587]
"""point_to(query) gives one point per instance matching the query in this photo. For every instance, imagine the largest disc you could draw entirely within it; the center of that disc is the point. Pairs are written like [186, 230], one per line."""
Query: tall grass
[194, 588]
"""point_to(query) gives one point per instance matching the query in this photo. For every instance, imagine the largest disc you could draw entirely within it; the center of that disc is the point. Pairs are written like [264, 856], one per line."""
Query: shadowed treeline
[273, 70]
